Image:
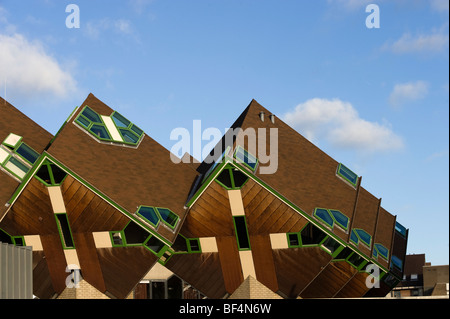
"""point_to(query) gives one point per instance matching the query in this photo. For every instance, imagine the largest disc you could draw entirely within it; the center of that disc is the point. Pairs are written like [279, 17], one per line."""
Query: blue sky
[375, 99]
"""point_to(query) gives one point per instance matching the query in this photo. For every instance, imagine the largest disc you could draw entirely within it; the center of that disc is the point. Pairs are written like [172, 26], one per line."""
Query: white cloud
[351, 5]
[338, 123]
[30, 70]
[436, 41]
[408, 92]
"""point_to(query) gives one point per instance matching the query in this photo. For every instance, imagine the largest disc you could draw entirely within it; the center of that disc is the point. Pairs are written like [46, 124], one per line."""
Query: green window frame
[18, 164]
[380, 250]
[294, 240]
[217, 162]
[94, 124]
[194, 245]
[356, 260]
[360, 235]
[149, 214]
[50, 174]
[27, 153]
[117, 238]
[332, 217]
[246, 158]
[241, 232]
[153, 215]
[347, 174]
[65, 233]
[231, 178]
[168, 217]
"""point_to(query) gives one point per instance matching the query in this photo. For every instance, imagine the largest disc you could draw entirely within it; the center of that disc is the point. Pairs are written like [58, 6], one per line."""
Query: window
[246, 158]
[347, 174]
[331, 217]
[344, 253]
[293, 240]
[64, 231]
[149, 214]
[356, 260]
[50, 174]
[311, 235]
[399, 228]
[332, 246]
[5, 237]
[241, 232]
[217, 162]
[396, 263]
[27, 153]
[194, 245]
[16, 167]
[154, 215]
[114, 128]
[168, 217]
[117, 239]
[324, 216]
[231, 178]
[379, 249]
[414, 277]
[339, 218]
[154, 244]
[358, 235]
[135, 234]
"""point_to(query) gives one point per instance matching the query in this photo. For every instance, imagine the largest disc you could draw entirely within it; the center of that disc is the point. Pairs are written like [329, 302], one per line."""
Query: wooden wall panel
[32, 212]
[42, 283]
[355, 287]
[56, 261]
[330, 280]
[202, 271]
[296, 268]
[263, 261]
[88, 258]
[230, 263]
[123, 268]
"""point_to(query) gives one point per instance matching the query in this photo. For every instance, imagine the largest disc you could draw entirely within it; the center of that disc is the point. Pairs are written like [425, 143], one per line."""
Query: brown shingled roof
[129, 176]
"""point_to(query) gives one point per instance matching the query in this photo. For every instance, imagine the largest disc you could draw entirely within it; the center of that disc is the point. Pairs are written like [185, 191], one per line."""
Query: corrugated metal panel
[16, 281]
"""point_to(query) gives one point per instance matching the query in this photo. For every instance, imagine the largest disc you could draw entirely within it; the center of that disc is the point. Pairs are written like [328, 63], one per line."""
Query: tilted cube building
[103, 198]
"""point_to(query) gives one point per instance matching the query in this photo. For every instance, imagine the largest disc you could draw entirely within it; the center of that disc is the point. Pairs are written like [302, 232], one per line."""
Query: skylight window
[347, 174]
[149, 214]
[114, 128]
[168, 217]
[379, 249]
[358, 235]
[331, 217]
[246, 158]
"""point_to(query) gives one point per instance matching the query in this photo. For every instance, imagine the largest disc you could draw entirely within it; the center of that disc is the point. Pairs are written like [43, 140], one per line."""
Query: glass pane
[128, 136]
[169, 217]
[241, 232]
[91, 115]
[134, 234]
[155, 244]
[83, 121]
[43, 174]
[195, 246]
[293, 240]
[340, 218]
[120, 120]
[355, 260]
[354, 238]
[344, 253]
[149, 214]
[323, 215]
[225, 178]
[348, 174]
[58, 174]
[245, 157]
[64, 228]
[239, 178]
[17, 167]
[117, 239]
[384, 252]
[400, 228]
[100, 131]
[364, 236]
[311, 235]
[136, 130]
[27, 153]
[331, 244]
